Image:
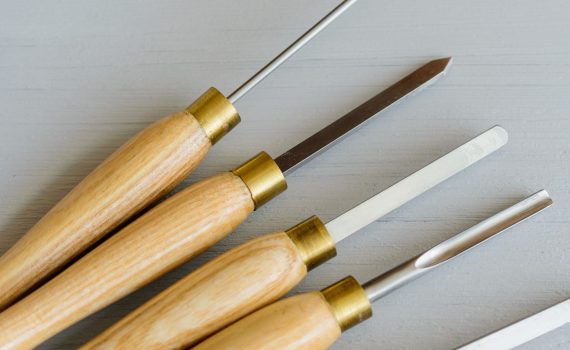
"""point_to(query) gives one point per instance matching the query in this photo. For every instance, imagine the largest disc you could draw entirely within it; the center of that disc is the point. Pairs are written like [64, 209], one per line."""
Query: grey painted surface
[77, 78]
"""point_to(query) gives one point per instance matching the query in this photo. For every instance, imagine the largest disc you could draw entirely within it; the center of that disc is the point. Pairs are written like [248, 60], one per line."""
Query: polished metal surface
[313, 242]
[263, 178]
[327, 137]
[524, 330]
[290, 51]
[216, 115]
[417, 183]
[455, 246]
[348, 302]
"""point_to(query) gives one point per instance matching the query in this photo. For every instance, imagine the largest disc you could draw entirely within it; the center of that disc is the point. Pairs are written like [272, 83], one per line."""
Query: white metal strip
[524, 330]
[417, 183]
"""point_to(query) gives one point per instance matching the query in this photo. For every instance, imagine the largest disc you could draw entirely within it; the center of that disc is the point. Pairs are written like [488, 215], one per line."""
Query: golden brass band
[263, 178]
[215, 113]
[313, 241]
[349, 302]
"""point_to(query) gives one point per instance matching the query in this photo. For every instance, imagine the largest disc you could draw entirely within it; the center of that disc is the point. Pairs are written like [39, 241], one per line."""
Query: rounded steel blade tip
[545, 196]
[501, 133]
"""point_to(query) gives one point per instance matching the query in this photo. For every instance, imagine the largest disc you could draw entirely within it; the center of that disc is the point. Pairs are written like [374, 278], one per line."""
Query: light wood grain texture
[168, 235]
[219, 293]
[302, 322]
[146, 167]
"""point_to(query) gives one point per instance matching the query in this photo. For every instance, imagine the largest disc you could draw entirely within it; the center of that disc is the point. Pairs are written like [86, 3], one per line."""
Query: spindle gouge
[313, 321]
[263, 270]
[179, 228]
[149, 165]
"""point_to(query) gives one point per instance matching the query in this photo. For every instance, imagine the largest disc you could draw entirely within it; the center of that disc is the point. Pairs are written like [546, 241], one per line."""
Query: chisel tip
[442, 64]
[502, 134]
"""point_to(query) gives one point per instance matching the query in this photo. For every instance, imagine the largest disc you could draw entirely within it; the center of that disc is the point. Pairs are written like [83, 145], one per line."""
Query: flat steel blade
[419, 182]
[525, 330]
[322, 140]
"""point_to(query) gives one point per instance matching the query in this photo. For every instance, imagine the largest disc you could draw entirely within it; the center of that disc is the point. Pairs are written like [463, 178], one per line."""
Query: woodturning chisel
[263, 270]
[552, 320]
[179, 228]
[142, 170]
[313, 321]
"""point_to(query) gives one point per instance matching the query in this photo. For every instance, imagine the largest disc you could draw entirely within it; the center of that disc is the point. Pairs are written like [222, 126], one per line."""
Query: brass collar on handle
[312, 239]
[215, 113]
[262, 177]
[348, 302]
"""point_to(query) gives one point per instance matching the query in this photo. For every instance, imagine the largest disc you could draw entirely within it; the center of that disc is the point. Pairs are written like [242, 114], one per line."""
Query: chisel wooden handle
[143, 169]
[168, 235]
[303, 322]
[236, 283]
[227, 288]
[309, 321]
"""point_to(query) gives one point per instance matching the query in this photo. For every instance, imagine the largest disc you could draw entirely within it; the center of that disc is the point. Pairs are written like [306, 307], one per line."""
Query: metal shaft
[344, 126]
[524, 331]
[290, 51]
[455, 246]
[417, 183]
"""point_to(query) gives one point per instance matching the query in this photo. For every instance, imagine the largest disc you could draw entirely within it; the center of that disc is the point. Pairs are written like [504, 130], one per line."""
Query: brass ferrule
[313, 241]
[348, 302]
[262, 177]
[215, 113]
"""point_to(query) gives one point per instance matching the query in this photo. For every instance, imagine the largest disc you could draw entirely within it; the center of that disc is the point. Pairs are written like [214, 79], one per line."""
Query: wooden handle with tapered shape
[227, 288]
[143, 169]
[302, 322]
[171, 233]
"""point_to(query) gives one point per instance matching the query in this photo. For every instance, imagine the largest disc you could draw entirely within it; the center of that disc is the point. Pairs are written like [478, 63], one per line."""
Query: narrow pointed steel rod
[290, 51]
[453, 247]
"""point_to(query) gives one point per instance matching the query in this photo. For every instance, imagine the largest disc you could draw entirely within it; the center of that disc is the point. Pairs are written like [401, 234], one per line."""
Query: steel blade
[455, 246]
[290, 51]
[417, 183]
[325, 138]
[525, 330]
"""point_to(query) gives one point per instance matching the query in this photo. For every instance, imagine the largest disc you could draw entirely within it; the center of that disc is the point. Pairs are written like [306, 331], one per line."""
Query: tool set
[232, 301]
[179, 228]
[263, 270]
[145, 168]
[313, 321]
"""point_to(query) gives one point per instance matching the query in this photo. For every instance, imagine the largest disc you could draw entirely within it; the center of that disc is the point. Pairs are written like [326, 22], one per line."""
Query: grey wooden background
[78, 78]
